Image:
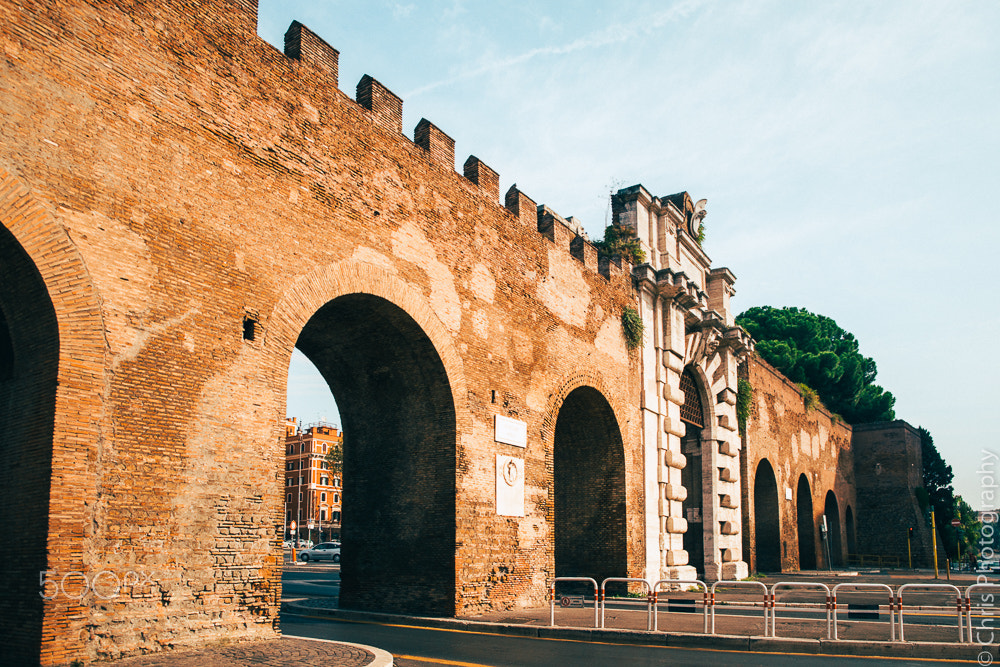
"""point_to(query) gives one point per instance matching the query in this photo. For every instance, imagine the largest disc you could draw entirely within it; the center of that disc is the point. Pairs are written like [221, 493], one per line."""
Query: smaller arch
[831, 510]
[806, 527]
[767, 527]
[588, 488]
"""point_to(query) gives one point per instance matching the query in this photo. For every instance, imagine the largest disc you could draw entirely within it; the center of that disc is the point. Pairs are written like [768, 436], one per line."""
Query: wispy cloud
[614, 34]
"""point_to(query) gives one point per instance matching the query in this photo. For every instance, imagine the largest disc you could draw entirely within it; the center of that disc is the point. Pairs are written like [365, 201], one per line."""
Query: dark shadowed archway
[806, 525]
[589, 488]
[399, 454]
[831, 511]
[29, 364]
[767, 531]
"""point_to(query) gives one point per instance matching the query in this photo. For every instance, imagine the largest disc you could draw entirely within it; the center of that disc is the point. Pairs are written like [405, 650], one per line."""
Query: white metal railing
[734, 584]
[969, 607]
[941, 587]
[650, 598]
[681, 582]
[709, 601]
[856, 586]
[799, 584]
[552, 596]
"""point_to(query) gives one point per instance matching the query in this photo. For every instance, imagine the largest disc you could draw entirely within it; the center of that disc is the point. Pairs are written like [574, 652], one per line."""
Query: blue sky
[849, 151]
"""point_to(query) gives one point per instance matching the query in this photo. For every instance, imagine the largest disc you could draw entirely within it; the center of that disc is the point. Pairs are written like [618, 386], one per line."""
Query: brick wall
[180, 176]
[796, 443]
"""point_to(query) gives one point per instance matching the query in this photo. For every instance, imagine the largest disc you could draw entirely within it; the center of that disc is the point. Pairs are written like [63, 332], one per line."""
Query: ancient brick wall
[889, 470]
[193, 201]
[798, 444]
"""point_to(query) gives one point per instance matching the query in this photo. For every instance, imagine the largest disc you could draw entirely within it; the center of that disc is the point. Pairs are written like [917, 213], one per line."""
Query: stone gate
[182, 206]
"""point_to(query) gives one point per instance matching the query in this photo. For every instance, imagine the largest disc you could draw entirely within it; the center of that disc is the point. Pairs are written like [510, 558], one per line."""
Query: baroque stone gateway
[182, 206]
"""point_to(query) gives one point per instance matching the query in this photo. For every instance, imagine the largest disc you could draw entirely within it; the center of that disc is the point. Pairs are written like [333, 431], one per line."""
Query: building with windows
[313, 491]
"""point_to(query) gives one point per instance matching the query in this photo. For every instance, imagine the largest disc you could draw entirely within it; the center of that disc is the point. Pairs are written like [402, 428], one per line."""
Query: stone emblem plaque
[510, 431]
[510, 486]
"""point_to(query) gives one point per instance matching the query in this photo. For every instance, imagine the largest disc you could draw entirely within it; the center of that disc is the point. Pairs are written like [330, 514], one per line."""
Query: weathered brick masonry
[181, 206]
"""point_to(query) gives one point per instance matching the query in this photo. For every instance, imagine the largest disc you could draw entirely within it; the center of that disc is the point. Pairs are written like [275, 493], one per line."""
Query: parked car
[323, 551]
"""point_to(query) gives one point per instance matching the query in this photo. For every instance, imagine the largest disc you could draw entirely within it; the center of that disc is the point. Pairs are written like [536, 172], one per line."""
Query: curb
[752, 643]
[382, 658]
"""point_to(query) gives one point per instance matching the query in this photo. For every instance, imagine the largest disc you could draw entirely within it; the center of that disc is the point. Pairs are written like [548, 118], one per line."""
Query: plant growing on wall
[809, 395]
[622, 242]
[632, 327]
[744, 394]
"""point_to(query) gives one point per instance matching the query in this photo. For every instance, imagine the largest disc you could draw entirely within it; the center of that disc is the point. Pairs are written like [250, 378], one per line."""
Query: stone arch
[397, 379]
[850, 529]
[695, 387]
[806, 524]
[831, 510]
[52, 421]
[582, 420]
[767, 528]
[588, 488]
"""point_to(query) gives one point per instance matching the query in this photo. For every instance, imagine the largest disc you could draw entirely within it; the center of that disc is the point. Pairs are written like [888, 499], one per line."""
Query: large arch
[806, 525]
[589, 512]
[54, 360]
[767, 529]
[389, 362]
[831, 510]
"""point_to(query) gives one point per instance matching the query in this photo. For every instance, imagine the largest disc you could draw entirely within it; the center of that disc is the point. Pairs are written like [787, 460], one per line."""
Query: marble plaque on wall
[510, 486]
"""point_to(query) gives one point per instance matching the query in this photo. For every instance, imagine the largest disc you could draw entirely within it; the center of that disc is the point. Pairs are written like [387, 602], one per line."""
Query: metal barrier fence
[681, 582]
[552, 596]
[963, 603]
[799, 584]
[885, 587]
[650, 598]
[968, 612]
[733, 584]
[948, 587]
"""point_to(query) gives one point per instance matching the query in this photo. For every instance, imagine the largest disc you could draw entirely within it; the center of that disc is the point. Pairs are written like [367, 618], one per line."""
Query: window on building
[322, 515]
[324, 480]
[288, 481]
[336, 497]
[336, 481]
[302, 480]
[300, 496]
[322, 497]
[336, 517]
[288, 498]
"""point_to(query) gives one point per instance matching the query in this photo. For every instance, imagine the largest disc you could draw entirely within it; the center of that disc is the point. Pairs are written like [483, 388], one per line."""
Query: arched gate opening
[398, 524]
[806, 525]
[767, 531]
[589, 488]
[831, 511]
[29, 365]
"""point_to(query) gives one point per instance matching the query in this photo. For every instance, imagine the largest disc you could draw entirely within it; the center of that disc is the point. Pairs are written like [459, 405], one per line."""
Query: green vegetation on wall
[632, 327]
[621, 242]
[744, 396]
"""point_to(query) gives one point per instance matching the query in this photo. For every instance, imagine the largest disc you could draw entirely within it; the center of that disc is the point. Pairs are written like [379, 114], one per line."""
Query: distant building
[312, 491]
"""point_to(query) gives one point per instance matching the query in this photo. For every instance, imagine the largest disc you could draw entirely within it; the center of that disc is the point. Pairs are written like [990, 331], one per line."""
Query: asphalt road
[419, 647]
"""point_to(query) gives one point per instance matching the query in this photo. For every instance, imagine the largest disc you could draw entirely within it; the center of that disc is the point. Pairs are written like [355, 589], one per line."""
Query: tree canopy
[812, 349]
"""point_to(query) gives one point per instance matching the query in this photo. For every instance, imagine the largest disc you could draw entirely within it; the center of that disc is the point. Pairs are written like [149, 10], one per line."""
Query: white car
[323, 551]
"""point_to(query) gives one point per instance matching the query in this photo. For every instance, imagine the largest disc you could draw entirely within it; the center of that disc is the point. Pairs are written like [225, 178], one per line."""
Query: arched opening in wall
[29, 366]
[852, 540]
[589, 488]
[831, 511]
[398, 494]
[693, 416]
[806, 525]
[767, 531]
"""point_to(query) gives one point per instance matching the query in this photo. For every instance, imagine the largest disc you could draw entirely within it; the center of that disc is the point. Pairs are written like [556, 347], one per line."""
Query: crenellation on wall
[482, 175]
[304, 45]
[438, 145]
[385, 106]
